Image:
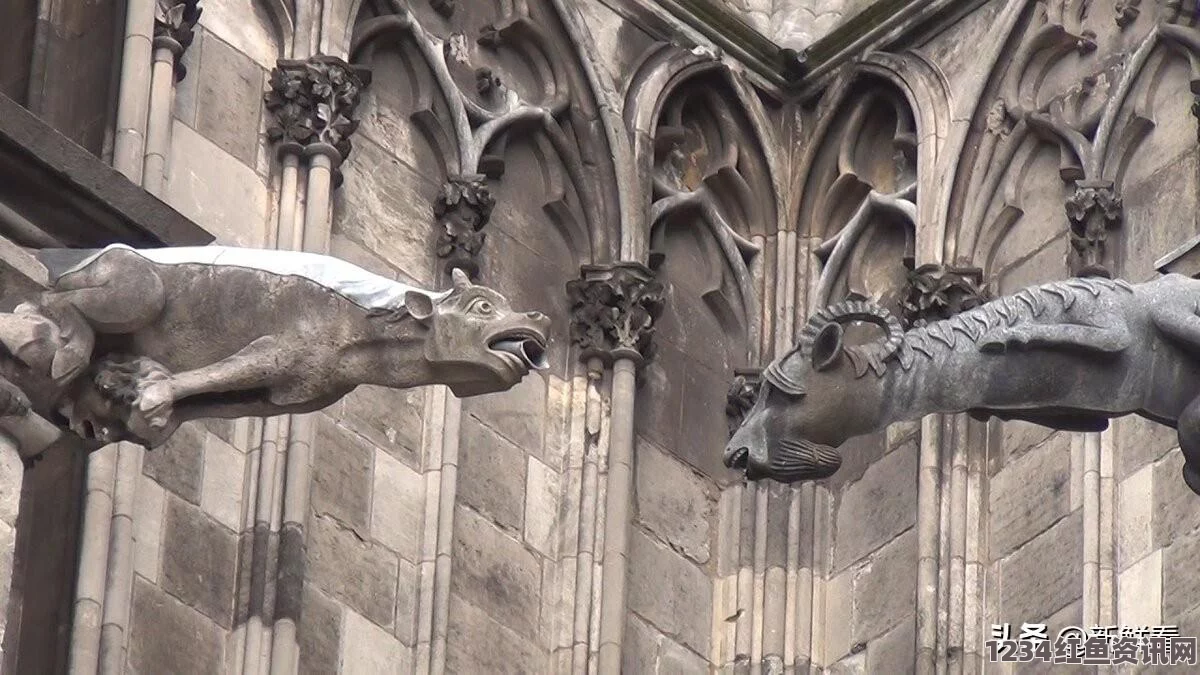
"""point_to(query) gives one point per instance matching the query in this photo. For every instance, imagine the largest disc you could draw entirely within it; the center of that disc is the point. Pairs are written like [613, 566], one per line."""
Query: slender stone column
[134, 91]
[614, 308]
[174, 23]
[312, 102]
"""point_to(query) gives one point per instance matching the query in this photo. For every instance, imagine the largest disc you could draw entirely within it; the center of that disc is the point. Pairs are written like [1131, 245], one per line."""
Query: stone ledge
[61, 194]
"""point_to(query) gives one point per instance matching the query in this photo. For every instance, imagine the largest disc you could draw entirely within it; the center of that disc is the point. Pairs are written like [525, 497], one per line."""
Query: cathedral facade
[678, 185]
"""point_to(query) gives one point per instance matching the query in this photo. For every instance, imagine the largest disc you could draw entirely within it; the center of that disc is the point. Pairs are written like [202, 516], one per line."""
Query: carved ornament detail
[313, 101]
[614, 309]
[1093, 210]
[937, 292]
[463, 207]
[740, 399]
[174, 28]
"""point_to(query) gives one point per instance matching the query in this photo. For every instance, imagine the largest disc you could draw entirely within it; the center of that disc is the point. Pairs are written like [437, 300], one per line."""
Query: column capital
[937, 291]
[1093, 210]
[313, 101]
[174, 28]
[463, 207]
[613, 311]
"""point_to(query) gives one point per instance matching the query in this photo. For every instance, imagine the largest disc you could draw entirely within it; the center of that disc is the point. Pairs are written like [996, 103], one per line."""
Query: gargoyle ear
[827, 347]
[419, 305]
[461, 281]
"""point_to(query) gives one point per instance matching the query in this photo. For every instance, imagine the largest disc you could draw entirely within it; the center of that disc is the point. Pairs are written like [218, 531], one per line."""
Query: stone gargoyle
[135, 342]
[1068, 355]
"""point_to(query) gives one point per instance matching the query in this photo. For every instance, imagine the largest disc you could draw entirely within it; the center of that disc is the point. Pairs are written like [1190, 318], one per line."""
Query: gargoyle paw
[155, 404]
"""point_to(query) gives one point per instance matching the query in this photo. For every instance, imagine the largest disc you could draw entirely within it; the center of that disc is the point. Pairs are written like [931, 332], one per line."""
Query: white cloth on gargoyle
[365, 289]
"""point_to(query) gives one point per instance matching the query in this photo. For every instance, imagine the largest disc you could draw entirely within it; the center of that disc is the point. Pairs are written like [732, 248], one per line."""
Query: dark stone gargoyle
[133, 343]
[1068, 355]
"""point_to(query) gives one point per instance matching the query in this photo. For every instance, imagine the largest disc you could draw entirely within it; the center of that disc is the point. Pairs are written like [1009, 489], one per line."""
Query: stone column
[312, 102]
[614, 308]
[174, 22]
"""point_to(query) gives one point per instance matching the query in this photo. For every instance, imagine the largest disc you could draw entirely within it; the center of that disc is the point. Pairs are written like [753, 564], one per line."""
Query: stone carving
[1093, 210]
[313, 101]
[174, 27]
[1068, 355]
[464, 207]
[1127, 11]
[137, 342]
[937, 292]
[613, 310]
[740, 399]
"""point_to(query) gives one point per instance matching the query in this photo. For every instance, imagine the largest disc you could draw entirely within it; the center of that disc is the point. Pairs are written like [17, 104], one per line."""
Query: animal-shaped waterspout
[135, 342]
[1068, 355]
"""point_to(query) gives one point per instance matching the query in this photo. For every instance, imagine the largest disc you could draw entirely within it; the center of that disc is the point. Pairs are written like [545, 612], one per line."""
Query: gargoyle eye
[482, 307]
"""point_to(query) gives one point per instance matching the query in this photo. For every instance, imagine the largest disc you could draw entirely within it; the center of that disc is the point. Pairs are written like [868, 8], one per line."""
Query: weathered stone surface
[673, 502]
[1160, 207]
[370, 650]
[12, 470]
[495, 572]
[1180, 583]
[491, 474]
[1042, 576]
[148, 514]
[1140, 592]
[517, 414]
[319, 633]
[1176, 508]
[885, 587]
[389, 418]
[387, 208]
[407, 589]
[1029, 494]
[1135, 516]
[224, 482]
[1141, 442]
[229, 99]
[646, 650]
[215, 189]
[341, 476]
[1046, 264]
[542, 496]
[892, 652]
[360, 574]
[167, 636]
[397, 506]
[178, 465]
[479, 643]
[1018, 438]
[676, 597]
[199, 561]
[876, 508]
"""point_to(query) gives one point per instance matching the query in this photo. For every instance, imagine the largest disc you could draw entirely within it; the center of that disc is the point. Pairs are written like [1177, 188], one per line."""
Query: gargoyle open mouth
[526, 347]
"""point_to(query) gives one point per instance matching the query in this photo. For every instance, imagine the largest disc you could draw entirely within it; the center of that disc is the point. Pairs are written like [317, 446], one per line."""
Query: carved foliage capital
[174, 28]
[313, 101]
[743, 390]
[463, 206]
[1093, 210]
[937, 292]
[614, 309]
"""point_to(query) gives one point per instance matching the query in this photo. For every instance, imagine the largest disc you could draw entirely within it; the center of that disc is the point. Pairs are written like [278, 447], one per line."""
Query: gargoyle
[1068, 355]
[135, 342]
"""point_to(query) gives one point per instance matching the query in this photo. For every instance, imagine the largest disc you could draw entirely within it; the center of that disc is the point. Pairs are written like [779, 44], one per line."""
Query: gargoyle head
[476, 343]
[811, 398]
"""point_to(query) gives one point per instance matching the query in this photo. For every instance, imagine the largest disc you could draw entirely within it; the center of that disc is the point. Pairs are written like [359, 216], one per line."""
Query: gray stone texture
[479, 643]
[495, 573]
[389, 418]
[874, 509]
[1029, 494]
[341, 482]
[178, 465]
[491, 474]
[319, 633]
[676, 598]
[200, 561]
[518, 414]
[229, 99]
[353, 571]
[167, 636]
[1176, 508]
[1041, 577]
[673, 502]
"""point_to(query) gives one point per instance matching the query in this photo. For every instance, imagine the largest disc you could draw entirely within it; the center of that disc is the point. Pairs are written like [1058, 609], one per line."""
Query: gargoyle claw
[13, 401]
[155, 404]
